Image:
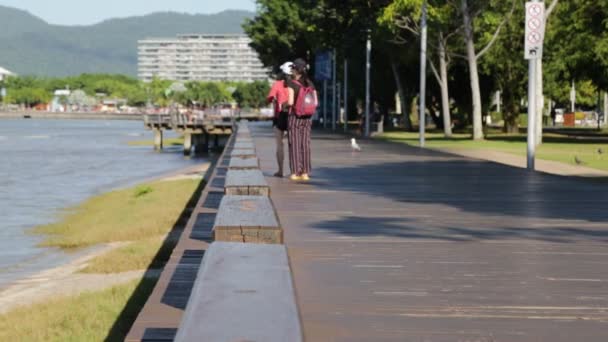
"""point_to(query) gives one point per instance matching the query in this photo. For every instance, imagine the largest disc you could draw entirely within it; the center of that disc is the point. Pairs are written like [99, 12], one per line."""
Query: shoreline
[26, 115]
[66, 279]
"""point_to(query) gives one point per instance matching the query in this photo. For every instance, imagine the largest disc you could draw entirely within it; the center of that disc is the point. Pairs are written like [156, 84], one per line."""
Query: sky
[87, 12]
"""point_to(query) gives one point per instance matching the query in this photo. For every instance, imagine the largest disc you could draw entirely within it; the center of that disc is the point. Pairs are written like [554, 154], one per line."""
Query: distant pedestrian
[279, 96]
[303, 103]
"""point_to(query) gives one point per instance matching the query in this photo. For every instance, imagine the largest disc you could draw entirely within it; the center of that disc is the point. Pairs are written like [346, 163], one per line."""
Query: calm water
[47, 165]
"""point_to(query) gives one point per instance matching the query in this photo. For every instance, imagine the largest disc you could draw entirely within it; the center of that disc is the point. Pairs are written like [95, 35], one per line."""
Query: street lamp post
[335, 106]
[345, 95]
[368, 65]
[423, 38]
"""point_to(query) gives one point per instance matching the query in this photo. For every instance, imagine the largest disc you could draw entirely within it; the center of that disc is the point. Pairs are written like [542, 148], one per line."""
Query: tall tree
[278, 31]
[577, 44]
[405, 14]
[508, 68]
[475, 16]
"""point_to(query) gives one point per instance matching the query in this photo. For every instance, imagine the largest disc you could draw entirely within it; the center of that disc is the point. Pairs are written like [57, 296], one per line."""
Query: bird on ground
[578, 161]
[354, 145]
[600, 151]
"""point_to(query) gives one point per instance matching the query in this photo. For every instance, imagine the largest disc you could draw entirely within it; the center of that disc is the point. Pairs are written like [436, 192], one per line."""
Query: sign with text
[535, 30]
[323, 67]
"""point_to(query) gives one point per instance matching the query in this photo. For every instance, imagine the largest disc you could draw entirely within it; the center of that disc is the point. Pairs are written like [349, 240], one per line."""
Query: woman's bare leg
[278, 135]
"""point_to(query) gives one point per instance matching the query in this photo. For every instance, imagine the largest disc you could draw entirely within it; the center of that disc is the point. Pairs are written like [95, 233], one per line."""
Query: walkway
[400, 244]
[546, 166]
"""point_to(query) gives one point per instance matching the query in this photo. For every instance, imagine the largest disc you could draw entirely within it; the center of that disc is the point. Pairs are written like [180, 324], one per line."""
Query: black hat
[300, 64]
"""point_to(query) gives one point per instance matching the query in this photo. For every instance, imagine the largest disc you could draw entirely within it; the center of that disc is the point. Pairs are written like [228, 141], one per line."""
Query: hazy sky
[85, 12]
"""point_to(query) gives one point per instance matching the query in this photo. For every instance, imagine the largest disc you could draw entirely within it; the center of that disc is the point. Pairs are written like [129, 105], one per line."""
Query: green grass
[167, 142]
[141, 216]
[123, 215]
[91, 316]
[556, 147]
[138, 255]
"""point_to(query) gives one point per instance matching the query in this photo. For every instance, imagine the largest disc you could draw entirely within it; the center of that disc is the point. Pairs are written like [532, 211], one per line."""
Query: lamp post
[345, 95]
[423, 37]
[368, 54]
[335, 106]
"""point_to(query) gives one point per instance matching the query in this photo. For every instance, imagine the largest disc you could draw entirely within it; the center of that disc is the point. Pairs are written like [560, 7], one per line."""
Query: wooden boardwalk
[401, 244]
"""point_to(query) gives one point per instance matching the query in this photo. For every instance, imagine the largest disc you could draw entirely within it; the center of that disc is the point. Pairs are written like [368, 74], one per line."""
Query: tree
[576, 46]
[251, 95]
[155, 91]
[405, 14]
[473, 12]
[508, 69]
[278, 31]
[28, 96]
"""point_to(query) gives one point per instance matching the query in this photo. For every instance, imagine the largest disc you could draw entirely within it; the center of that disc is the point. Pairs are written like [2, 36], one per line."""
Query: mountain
[30, 46]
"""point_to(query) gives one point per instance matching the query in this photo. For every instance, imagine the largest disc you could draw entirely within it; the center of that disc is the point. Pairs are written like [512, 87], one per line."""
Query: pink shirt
[279, 93]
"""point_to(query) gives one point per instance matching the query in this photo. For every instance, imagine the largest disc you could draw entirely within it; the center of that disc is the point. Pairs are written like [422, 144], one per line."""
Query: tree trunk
[511, 125]
[510, 110]
[445, 97]
[605, 108]
[540, 101]
[407, 122]
[473, 73]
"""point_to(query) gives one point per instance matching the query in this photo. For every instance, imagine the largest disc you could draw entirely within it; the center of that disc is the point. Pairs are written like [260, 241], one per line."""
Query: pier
[197, 132]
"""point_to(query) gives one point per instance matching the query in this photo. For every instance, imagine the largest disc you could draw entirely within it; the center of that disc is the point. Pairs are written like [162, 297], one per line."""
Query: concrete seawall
[69, 116]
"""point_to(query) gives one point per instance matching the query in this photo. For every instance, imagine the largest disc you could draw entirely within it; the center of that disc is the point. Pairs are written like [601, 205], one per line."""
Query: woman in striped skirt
[299, 125]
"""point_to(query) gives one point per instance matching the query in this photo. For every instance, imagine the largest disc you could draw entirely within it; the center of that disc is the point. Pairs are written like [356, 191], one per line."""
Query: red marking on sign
[535, 10]
[534, 37]
[534, 23]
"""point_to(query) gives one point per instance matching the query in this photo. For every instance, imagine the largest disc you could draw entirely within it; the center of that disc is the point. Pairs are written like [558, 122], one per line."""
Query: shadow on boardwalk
[455, 199]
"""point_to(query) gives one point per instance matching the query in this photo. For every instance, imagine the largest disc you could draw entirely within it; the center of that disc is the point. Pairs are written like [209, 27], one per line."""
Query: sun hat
[286, 68]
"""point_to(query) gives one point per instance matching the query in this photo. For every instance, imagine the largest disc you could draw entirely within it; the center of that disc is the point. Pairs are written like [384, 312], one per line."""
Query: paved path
[546, 166]
[400, 244]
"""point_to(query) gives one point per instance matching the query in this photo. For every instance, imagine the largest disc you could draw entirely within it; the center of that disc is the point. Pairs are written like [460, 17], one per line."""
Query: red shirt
[279, 94]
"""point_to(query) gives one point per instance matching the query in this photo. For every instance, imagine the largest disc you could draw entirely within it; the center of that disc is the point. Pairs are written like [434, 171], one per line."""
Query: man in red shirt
[279, 95]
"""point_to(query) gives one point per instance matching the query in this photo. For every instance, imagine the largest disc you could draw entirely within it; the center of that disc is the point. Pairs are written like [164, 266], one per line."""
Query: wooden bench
[237, 163]
[250, 219]
[246, 182]
[243, 292]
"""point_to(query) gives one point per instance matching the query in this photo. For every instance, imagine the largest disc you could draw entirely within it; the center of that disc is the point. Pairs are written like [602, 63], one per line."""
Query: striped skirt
[299, 145]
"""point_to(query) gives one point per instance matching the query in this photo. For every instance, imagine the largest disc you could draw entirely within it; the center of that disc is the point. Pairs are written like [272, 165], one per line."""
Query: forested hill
[30, 46]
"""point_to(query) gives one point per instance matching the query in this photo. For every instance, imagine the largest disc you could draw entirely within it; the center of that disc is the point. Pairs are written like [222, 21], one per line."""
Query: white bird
[354, 145]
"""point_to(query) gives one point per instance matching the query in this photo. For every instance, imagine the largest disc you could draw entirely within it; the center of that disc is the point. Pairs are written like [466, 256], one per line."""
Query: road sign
[3, 92]
[323, 66]
[535, 30]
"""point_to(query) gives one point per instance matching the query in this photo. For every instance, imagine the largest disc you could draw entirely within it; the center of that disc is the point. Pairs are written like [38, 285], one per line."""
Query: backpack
[306, 102]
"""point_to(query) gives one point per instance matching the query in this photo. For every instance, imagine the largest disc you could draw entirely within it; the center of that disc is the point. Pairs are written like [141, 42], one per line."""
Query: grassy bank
[135, 214]
[91, 316]
[556, 147]
[142, 219]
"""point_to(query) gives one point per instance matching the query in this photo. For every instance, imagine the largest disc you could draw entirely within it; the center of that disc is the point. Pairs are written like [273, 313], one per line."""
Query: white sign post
[535, 34]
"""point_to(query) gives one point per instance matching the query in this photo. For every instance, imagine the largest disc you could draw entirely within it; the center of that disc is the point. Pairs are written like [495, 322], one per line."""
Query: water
[48, 165]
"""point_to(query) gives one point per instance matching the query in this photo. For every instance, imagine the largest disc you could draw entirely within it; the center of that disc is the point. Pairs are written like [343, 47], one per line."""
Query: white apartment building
[200, 57]
[5, 73]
